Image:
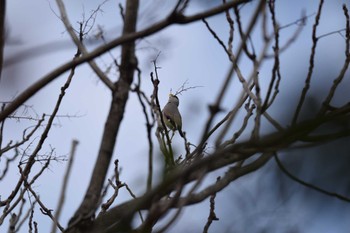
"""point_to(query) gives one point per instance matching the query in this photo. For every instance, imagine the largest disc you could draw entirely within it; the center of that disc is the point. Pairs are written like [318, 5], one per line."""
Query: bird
[172, 116]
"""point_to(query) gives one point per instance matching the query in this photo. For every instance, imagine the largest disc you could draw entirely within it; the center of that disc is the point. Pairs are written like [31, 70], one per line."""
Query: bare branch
[121, 11]
[212, 216]
[118, 184]
[311, 64]
[31, 159]
[306, 184]
[244, 37]
[228, 52]
[90, 203]
[26, 216]
[64, 186]
[43, 208]
[79, 44]
[339, 79]
[332, 32]
[7, 164]
[231, 33]
[25, 137]
[235, 153]
[276, 67]
[125, 38]
[149, 127]
[183, 88]
[167, 150]
[215, 108]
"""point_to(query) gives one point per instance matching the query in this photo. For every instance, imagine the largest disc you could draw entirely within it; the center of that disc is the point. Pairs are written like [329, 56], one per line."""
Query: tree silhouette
[315, 125]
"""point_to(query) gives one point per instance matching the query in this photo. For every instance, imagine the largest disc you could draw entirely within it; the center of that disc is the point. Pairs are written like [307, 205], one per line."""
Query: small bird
[171, 114]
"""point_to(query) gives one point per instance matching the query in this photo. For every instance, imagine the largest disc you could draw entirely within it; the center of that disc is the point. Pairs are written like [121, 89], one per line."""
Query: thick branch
[128, 65]
[219, 159]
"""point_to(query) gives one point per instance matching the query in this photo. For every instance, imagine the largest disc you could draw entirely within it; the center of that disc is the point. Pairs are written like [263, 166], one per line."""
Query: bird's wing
[169, 121]
[177, 118]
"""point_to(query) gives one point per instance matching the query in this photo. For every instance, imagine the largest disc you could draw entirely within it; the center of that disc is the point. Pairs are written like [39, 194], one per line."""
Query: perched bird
[171, 114]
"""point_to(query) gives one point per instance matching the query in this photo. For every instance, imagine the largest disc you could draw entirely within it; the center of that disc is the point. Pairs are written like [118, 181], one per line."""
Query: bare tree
[182, 185]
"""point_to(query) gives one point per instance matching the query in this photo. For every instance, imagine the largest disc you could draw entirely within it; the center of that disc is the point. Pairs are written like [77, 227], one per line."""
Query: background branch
[125, 38]
[119, 98]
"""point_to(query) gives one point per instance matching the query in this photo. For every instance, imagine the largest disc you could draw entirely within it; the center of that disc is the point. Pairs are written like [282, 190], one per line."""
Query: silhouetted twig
[339, 79]
[306, 184]
[212, 216]
[311, 64]
[64, 185]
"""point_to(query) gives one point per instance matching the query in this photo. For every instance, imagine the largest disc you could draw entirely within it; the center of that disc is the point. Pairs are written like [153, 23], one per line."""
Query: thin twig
[26, 136]
[80, 45]
[300, 23]
[26, 216]
[168, 151]
[332, 32]
[7, 164]
[244, 37]
[239, 132]
[149, 127]
[131, 36]
[2, 124]
[121, 11]
[311, 64]
[232, 30]
[215, 108]
[229, 118]
[306, 184]
[183, 88]
[28, 186]
[212, 216]
[30, 222]
[64, 186]
[276, 67]
[31, 159]
[217, 38]
[181, 202]
[339, 79]
[118, 184]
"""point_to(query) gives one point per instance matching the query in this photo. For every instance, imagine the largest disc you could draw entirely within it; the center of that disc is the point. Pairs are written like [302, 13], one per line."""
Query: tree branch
[64, 186]
[125, 38]
[311, 64]
[89, 205]
[80, 45]
[306, 184]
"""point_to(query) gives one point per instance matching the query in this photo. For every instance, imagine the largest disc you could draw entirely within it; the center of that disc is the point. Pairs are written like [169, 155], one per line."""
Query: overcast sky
[187, 53]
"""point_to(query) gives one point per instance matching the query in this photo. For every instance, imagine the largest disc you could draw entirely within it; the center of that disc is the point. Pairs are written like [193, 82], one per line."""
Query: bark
[84, 215]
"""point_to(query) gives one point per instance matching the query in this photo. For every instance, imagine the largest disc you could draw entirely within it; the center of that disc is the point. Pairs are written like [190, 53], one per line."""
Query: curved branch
[306, 184]
[172, 19]
[121, 214]
[269, 144]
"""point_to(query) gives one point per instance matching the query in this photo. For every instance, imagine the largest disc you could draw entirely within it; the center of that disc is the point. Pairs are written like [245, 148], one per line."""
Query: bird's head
[173, 99]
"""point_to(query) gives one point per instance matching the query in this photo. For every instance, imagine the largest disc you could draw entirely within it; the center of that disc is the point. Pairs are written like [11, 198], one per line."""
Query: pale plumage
[171, 114]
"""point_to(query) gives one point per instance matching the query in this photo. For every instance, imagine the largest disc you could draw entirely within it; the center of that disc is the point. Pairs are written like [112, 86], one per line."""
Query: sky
[187, 54]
